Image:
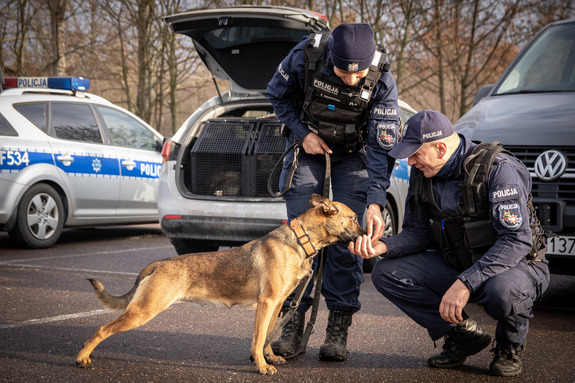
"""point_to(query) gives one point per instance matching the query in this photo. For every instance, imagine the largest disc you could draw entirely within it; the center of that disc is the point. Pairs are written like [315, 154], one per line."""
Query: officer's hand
[374, 221]
[313, 144]
[453, 302]
[362, 247]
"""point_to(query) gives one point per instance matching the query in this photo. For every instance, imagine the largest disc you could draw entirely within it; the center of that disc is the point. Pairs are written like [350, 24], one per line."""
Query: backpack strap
[477, 167]
[377, 67]
[315, 54]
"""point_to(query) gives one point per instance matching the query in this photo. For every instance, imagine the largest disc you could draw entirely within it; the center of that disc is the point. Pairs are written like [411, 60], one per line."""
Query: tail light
[167, 150]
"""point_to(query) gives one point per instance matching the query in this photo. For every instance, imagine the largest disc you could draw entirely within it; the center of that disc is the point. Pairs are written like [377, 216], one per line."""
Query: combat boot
[507, 362]
[465, 339]
[334, 347]
[290, 338]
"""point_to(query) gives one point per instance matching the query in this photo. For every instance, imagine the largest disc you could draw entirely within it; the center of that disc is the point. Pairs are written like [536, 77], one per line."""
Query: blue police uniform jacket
[509, 186]
[288, 82]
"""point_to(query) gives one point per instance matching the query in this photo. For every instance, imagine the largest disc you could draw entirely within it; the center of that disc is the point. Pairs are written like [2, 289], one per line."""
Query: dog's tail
[118, 302]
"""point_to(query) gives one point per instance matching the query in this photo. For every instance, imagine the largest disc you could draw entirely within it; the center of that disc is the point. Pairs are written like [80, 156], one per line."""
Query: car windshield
[547, 66]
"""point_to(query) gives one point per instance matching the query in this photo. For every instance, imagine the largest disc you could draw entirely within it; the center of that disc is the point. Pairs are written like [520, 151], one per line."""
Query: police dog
[260, 274]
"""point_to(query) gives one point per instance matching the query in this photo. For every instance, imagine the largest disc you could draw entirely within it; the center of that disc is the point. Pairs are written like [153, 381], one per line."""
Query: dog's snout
[358, 232]
[351, 234]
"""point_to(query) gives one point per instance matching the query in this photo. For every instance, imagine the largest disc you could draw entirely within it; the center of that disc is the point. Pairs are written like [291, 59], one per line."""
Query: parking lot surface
[48, 309]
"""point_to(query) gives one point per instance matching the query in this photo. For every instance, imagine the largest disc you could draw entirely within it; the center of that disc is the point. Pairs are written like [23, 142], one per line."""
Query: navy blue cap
[353, 47]
[424, 126]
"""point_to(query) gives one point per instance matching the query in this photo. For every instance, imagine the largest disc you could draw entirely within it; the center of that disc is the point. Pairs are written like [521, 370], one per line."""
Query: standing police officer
[348, 108]
[494, 258]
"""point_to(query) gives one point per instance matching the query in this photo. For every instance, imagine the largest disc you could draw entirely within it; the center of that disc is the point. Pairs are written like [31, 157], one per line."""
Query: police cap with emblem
[424, 126]
[353, 47]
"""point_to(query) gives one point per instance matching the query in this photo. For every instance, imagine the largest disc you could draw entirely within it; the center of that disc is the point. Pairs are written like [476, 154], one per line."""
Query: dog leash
[310, 327]
[293, 168]
[294, 304]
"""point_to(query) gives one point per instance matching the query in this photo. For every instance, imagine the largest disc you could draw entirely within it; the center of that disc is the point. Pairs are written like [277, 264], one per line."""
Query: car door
[138, 152]
[89, 168]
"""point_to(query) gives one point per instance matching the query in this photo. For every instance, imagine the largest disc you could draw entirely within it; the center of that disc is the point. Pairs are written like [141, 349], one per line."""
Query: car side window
[126, 131]
[6, 129]
[36, 113]
[75, 122]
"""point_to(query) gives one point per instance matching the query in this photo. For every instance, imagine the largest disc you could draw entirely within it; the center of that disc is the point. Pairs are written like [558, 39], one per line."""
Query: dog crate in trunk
[234, 157]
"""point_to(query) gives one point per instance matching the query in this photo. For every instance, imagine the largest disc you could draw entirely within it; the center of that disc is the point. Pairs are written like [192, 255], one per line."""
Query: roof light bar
[68, 83]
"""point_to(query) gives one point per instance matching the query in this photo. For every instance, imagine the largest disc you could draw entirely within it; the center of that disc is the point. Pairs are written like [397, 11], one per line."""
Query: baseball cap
[353, 47]
[424, 126]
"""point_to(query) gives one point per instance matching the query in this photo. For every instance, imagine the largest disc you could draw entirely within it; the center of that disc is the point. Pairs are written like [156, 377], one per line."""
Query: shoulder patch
[504, 193]
[510, 216]
[283, 73]
[386, 135]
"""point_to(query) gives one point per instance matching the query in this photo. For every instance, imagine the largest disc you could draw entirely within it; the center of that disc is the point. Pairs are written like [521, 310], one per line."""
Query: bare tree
[441, 51]
[57, 10]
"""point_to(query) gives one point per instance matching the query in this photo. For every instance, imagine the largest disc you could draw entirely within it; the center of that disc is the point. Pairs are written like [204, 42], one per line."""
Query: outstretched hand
[363, 247]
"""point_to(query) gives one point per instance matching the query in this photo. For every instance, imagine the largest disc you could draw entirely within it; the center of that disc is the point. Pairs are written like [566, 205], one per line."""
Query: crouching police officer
[472, 205]
[330, 91]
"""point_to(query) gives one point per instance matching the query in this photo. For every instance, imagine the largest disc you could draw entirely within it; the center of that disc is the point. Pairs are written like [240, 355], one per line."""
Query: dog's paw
[267, 369]
[83, 362]
[274, 359]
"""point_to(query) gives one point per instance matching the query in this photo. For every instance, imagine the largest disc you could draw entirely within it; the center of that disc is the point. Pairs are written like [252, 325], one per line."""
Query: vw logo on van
[550, 165]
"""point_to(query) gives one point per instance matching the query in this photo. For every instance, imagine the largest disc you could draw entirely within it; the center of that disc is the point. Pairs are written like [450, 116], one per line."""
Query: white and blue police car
[70, 158]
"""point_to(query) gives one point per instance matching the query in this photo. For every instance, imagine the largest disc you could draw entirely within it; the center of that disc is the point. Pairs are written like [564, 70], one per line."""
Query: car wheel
[186, 246]
[39, 218]
[390, 229]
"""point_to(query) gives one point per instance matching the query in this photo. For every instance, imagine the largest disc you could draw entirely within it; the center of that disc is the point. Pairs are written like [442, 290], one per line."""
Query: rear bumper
[217, 228]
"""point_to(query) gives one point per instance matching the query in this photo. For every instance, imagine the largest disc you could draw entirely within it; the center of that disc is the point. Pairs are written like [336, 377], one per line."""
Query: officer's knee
[385, 274]
[500, 295]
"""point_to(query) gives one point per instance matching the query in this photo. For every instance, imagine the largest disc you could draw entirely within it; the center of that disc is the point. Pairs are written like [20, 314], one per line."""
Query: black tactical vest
[333, 110]
[463, 239]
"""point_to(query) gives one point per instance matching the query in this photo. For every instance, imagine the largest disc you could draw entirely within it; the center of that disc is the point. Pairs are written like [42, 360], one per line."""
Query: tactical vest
[463, 239]
[333, 110]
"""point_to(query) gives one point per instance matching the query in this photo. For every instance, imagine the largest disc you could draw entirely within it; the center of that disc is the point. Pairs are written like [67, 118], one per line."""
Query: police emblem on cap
[353, 67]
[510, 216]
[386, 136]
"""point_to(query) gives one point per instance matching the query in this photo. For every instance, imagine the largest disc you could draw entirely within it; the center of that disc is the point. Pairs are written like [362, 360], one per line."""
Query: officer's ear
[441, 149]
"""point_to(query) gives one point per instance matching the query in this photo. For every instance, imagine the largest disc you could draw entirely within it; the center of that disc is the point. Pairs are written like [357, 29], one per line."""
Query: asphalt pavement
[48, 309]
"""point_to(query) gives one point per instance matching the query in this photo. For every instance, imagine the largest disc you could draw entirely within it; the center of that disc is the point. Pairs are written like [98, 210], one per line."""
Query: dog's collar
[303, 238]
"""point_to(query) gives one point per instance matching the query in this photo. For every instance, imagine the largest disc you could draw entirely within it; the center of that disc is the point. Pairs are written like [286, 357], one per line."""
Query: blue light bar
[68, 83]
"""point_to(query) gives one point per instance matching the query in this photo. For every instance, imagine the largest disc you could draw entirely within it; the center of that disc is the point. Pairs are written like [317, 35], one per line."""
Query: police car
[70, 158]
[213, 186]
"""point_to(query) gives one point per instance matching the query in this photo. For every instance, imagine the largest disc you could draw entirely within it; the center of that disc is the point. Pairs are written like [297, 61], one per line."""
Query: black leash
[310, 327]
[293, 168]
[294, 304]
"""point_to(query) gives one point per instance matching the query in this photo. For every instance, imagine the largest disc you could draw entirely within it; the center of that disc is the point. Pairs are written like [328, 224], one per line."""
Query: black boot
[507, 362]
[290, 338]
[333, 349]
[465, 339]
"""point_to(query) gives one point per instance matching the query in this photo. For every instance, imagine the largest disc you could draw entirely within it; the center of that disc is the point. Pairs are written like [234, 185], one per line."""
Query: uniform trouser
[343, 272]
[416, 283]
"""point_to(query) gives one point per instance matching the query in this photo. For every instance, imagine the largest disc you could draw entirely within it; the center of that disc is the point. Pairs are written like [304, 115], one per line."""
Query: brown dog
[260, 274]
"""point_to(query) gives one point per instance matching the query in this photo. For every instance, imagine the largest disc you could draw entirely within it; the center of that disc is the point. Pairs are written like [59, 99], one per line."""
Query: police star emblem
[353, 67]
[96, 165]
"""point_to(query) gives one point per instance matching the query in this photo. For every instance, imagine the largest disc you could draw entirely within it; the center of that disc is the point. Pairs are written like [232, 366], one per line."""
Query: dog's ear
[326, 205]
[317, 200]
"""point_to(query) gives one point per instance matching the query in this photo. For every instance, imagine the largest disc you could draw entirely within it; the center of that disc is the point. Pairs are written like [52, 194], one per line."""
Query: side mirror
[484, 91]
